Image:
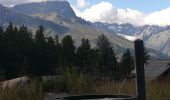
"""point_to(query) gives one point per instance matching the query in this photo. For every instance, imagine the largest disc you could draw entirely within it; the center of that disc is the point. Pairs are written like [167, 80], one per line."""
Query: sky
[136, 12]
[146, 6]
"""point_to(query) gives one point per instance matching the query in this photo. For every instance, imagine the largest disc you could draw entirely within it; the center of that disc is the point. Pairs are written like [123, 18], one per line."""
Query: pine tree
[94, 60]
[2, 71]
[56, 40]
[39, 37]
[68, 51]
[41, 67]
[109, 66]
[25, 42]
[11, 51]
[1, 30]
[1, 38]
[126, 64]
[10, 28]
[58, 53]
[51, 55]
[83, 56]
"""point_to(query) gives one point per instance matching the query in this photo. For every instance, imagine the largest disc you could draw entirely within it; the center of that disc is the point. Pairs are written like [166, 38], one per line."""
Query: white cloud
[76, 10]
[102, 12]
[106, 12]
[130, 16]
[161, 17]
[82, 4]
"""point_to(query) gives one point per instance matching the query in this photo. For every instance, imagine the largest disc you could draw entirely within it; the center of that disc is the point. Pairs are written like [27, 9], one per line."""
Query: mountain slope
[50, 10]
[63, 8]
[162, 42]
[57, 21]
[60, 12]
[7, 15]
[155, 37]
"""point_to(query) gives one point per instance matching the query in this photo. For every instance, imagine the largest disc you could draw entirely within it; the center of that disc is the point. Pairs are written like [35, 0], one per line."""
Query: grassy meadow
[75, 84]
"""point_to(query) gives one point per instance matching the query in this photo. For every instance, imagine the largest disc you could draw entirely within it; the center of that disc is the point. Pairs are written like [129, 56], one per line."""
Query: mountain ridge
[61, 7]
[76, 27]
[147, 33]
[8, 15]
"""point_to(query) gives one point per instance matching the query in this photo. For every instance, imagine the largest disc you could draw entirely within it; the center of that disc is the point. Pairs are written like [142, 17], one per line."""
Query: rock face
[55, 11]
[8, 15]
[22, 81]
[62, 8]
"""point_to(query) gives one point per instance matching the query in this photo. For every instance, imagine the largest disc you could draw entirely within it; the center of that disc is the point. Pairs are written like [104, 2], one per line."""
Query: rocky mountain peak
[63, 8]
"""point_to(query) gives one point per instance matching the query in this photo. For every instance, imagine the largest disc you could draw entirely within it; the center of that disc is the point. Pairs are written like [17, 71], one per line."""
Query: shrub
[76, 82]
[54, 86]
[71, 82]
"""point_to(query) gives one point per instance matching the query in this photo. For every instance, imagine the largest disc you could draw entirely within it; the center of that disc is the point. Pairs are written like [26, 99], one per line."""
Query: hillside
[8, 15]
[59, 18]
[149, 33]
[78, 27]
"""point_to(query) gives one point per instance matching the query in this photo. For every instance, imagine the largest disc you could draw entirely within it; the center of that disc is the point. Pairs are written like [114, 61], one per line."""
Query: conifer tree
[58, 52]
[40, 53]
[83, 56]
[109, 66]
[39, 36]
[25, 41]
[68, 51]
[11, 51]
[2, 72]
[1, 30]
[1, 38]
[10, 28]
[51, 55]
[126, 64]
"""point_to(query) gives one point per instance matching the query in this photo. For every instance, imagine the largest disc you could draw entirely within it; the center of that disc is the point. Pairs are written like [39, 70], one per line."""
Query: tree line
[24, 53]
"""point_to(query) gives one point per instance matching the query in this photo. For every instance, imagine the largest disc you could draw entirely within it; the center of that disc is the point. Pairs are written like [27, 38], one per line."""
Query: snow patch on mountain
[130, 38]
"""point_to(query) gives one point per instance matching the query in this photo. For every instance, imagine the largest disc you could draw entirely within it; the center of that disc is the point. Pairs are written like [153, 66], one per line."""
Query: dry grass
[31, 92]
[154, 90]
[158, 90]
[114, 88]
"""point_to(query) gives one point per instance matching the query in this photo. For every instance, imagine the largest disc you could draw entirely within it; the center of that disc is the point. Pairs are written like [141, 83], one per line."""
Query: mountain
[50, 10]
[59, 18]
[155, 37]
[8, 15]
[62, 8]
[143, 32]
[160, 41]
[60, 12]
[126, 29]
[131, 38]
